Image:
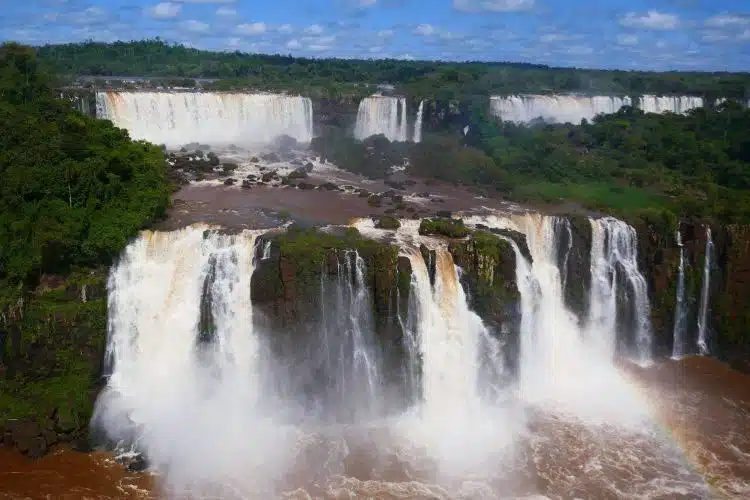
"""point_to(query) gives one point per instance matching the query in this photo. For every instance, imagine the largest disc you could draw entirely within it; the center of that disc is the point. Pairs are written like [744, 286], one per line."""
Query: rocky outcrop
[51, 364]
[489, 277]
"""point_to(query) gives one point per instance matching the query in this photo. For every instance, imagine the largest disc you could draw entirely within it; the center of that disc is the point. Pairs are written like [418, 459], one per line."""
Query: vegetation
[336, 76]
[450, 228]
[73, 190]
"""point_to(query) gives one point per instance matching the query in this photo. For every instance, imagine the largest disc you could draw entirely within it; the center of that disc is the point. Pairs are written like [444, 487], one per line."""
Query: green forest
[441, 80]
[73, 191]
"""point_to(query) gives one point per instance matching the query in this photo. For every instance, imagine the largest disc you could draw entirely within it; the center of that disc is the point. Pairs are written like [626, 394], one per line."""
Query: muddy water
[698, 447]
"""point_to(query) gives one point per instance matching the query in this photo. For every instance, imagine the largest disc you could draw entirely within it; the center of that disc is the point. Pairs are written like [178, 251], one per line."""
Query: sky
[711, 35]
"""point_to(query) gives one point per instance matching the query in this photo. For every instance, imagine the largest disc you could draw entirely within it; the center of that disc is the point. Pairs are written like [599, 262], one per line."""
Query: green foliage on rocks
[73, 191]
[450, 228]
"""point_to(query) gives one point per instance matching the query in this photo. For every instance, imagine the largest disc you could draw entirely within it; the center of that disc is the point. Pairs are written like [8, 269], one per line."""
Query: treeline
[441, 80]
[72, 189]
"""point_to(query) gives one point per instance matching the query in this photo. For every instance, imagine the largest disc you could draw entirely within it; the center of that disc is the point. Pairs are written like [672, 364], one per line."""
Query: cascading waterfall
[573, 108]
[562, 364]
[192, 402]
[178, 118]
[554, 108]
[382, 115]
[680, 309]
[705, 295]
[671, 104]
[417, 137]
[614, 251]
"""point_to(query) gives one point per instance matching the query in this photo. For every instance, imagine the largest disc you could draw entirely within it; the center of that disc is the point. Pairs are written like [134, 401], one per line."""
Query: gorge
[288, 328]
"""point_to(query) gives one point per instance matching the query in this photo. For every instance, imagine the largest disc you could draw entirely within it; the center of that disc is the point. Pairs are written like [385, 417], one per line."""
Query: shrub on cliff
[450, 228]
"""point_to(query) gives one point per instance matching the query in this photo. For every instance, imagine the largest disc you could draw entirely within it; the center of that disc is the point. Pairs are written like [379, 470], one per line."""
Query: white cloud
[714, 36]
[425, 30]
[285, 29]
[367, 3]
[293, 44]
[652, 20]
[744, 36]
[194, 26]
[226, 12]
[447, 35]
[724, 20]
[385, 33]
[557, 37]
[234, 43]
[318, 47]
[164, 10]
[315, 29]
[251, 29]
[90, 15]
[375, 50]
[493, 5]
[627, 39]
[579, 50]
[406, 57]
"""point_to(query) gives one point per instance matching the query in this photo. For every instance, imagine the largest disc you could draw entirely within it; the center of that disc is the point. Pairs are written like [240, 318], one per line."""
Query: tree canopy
[72, 189]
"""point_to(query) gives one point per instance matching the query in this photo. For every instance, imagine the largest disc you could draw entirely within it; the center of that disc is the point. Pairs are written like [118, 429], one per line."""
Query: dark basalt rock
[384, 222]
[138, 464]
[329, 186]
[305, 186]
[230, 182]
[270, 176]
[297, 174]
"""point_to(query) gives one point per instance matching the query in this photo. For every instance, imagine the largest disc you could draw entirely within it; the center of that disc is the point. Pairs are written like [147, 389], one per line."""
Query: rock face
[51, 354]
[489, 265]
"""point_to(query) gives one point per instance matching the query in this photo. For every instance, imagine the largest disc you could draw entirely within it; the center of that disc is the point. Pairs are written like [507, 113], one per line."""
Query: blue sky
[634, 34]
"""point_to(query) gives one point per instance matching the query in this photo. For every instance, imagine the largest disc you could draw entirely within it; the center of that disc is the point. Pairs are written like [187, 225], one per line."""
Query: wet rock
[50, 436]
[213, 160]
[271, 157]
[298, 174]
[305, 186]
[7, 439]
[230, 182]
[254, 159]
[424, 195]
[409, 182]
[309, 167]
[444, 214]
[37, 447]
[139, 464]
[228, 168]
[364, 193]
[329, 186]
[374, 201]
[252, 178]
[247, 184]
[270, 176]
[285, 143]
[395, 185]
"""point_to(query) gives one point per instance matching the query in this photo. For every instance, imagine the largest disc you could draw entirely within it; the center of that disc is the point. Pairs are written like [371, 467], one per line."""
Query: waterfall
[191, 400]
[614, 254]
[562, 365]
[554, 108]
[680, 308]
[178, 118]
[418, 123]
[266, 251]
[382, 115]
[671, 104]
[705, 295]
[573, 108]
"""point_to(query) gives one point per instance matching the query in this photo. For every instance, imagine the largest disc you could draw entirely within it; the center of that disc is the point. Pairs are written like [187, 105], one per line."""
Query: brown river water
[699, 448]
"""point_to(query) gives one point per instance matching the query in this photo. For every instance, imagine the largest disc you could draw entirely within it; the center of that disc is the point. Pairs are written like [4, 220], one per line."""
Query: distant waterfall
[705, 295]
[672, 104]
[382, 115]
[680, 308]
[574, 108]
[178, 118]
[614, 250]
[554, 108]
[417, 137]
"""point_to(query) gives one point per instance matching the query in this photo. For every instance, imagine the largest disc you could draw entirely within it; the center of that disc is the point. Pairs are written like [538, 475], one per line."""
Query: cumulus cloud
[251, 29]
[627, 40]
[293, 44]
[493, 5]
[725, 20]
[425, 30]
[285, 29]
[651, 20]
[164, 10]
[226, 12]
[386, 33]
[194, 26]
[315, 29]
